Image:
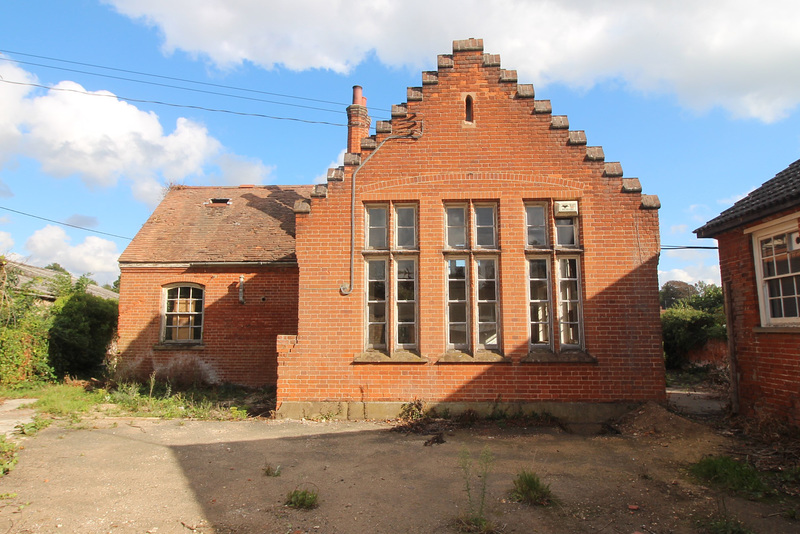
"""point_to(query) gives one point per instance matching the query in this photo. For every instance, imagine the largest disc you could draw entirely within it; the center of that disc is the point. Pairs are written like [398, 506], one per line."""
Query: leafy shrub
[82, 330]
[304, 499]
[683, 328]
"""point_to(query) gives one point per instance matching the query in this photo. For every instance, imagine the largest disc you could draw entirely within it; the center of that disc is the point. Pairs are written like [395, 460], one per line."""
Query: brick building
[759, 259]
[474, 252]
[208, 284]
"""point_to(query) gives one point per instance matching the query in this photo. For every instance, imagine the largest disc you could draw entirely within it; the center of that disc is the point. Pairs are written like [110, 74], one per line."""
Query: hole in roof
[220, 201]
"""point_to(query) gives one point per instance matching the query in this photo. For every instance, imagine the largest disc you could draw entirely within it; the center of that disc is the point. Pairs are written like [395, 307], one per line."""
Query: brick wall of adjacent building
[768, 367]
[515, 150]
[239, 340]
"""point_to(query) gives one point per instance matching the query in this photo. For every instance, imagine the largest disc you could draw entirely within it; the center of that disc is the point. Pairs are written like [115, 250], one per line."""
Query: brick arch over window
[182, 316]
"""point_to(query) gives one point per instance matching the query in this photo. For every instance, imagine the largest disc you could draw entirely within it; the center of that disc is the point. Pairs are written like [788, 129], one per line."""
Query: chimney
[357, 121]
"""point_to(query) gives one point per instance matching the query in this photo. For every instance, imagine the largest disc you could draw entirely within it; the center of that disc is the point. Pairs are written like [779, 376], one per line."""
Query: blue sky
[699, 103]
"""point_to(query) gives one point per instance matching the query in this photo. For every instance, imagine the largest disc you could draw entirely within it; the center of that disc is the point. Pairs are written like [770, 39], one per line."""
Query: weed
[529, 489]
[475, 519]
[304, 499]
[8, 456]
[238, 414]
[730, 475]
[722, 523]
[791, 514]
[29, 429]
[468, 417]
[5, 496]
[270, 471]
[412, 411]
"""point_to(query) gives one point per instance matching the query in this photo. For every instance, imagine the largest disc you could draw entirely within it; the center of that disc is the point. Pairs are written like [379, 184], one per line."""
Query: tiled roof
[256, 224]
[777, 194]
[42, 278]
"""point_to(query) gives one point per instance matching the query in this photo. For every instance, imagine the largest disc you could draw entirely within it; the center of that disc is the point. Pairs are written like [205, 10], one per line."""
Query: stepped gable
[220, 224]
[407, 117]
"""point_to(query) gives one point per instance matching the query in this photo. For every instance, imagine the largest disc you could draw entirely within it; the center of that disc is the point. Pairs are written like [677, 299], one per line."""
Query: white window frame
[371, 302]
[190, 314]
[368, 226]
[561, 320]
[464, 207]
[397, 302]
[477, 301]
[547, 302]
[545, 225]
[467, 304]
[784, 226]
[414, 229]
[575, 230]
[474, 226]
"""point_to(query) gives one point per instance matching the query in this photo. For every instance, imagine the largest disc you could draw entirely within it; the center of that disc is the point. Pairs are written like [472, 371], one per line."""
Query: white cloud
[105, 140]
[238, 170]
[690, 265]
[323, 178]
[724, 53]
[6, 242]
[678, 229]
[731, 200]
[94, 255]
[5, 191]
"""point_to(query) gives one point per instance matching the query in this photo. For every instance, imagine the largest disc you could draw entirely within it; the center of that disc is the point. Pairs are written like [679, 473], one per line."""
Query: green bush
[82, 330]
[730, 475]
[683, 328]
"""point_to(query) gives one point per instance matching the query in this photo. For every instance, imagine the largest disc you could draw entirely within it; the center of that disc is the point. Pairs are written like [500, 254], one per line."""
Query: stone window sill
[398, 356]
[481, 356]
[565, 356]
[777, 329]
[179, 346]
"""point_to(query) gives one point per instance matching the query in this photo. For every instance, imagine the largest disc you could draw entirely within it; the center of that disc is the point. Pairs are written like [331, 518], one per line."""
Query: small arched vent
[468, 115]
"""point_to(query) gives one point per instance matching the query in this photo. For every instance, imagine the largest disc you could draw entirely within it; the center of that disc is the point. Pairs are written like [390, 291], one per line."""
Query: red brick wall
[509, 154]
[239, 340]
[768, 361]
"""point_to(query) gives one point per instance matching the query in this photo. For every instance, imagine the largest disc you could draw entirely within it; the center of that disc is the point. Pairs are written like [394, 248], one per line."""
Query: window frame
[575, 232]
[547, 302]
[466, 300]
[396, 226]
[396, 302]
[475, 227]
[561, 302]
[166, 314]
[545, 226]
[782, 227]
[373, 302]
[478, 301]
[368, 226]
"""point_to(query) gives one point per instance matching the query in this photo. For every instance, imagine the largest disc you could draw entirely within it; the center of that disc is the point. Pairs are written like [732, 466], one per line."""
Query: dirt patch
[135, 475]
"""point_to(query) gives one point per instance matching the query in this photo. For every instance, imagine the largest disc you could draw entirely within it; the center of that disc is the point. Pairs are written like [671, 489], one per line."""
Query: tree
[691, 321]
[56, 267]
[674, 291]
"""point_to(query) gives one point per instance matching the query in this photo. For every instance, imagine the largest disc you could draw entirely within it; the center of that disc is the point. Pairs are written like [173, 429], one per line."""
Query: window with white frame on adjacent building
[777, 257]
[183, 314]
[391, 270]
[472, 267]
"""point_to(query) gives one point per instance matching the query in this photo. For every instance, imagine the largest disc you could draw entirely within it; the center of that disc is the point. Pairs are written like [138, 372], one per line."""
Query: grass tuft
[730, 475]
[529, 489]
[304, 499]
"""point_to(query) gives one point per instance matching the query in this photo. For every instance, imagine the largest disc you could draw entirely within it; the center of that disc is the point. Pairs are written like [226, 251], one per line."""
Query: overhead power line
[172, 78]
[65, 224]
[684, 247]
[171, 104]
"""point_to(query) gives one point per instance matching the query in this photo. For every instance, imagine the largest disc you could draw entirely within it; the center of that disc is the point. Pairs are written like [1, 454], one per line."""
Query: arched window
[468, 109]
[183, 313]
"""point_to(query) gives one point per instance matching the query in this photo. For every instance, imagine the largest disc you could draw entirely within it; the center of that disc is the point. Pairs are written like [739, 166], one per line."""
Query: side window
[406, 227]
[536, 222]
[376, 304]
[183, 314]
[778, 269]
[456, 221]
[569, 301]
[566, 232]
[485, 226]
[539, 297]
[457, 304]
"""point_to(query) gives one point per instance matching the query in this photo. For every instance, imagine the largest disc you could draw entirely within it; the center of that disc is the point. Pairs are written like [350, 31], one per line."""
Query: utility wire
[683, 247]
[185, 80]
[217, 93]
[65, 224]
[171, 104]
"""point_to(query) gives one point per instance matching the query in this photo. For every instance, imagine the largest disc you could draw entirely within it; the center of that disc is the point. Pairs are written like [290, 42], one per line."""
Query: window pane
[405, 217]
[537, 231]
[769, 268]
[377, 270]
[172, 293]
[487, 313]
[406, 312]
[565, 235]
[458, 334]
[456, 227]
[569, 268]
[766, 247]
[539, 313]
[405, 238]
[485, 226]
[486, 269]
[782, 265]
[538, 268]
[536, 237]
[484, 216]
[790, 307]
[535, 215]
[377, 335]
[775, 308]
[455, 217]
[787, 286]
[794, 260]
[405, 269]
[487, 290]
[538, 290]
[456, 237]
[377, 312]
[185, 292]
[458, 269]
[458, 291]
[774, 288]
[377, 217]
[485, 237]
[377, 291]
[569, 334]
[406, 334]
[376, 222]
[377, 238]
[458, 312]
[487, 334]
[405, 290]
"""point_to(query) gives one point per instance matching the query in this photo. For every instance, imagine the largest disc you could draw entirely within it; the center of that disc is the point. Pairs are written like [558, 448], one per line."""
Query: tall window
[391, 276]
[777, 251]
[539, 298]
[569, 317]
[554, 284]
[473, 307]
[183, 314]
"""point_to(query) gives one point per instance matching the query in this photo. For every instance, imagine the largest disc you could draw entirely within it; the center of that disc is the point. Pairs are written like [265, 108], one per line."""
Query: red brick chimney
[357, 121]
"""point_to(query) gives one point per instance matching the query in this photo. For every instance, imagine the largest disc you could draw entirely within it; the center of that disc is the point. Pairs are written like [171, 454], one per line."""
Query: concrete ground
[15, 412]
